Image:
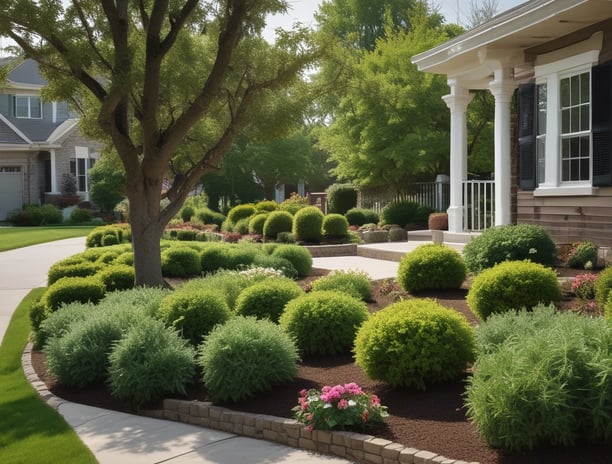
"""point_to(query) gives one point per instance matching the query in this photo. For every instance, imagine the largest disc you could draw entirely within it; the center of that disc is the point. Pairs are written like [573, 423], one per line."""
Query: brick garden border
[361, 448]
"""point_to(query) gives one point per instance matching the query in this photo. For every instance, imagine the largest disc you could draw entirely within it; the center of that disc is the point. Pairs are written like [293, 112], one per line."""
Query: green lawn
[17, 237]
[30, 431]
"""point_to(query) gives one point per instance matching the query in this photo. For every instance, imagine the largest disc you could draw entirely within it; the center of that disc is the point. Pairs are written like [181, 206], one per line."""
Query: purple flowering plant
[341, 407]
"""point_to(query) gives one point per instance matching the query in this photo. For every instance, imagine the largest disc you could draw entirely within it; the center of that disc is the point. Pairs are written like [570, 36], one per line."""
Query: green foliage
[240, 212]
[186, 235]
[608, 308]
[246, 356]
[125, 258]
[35, 215]
[181, 261]
[193, 313]
[361, 216]
[299, 256]
[107, 182]
[208, 216]
[603, 286]
[431, 266]
[101, 235]
[242, 226]
[69, 289]
[60, 321]
[78, 269]
[307, 224]
[509, 243]
[266, 205]
[512, 285]
[341, 198]
[293, 204]
[214, 256]
[187, 212]
[542, 379]
[285, 237]
[400, 213]
[149, 363]
[276, 222]
[267, 299]
[81, 215]
[276, 262]
[581, 254]
[414, 343]
[117, 277]
[256, 223]
[324, 323]
[144, 299]
[335, 226]
[355, 283]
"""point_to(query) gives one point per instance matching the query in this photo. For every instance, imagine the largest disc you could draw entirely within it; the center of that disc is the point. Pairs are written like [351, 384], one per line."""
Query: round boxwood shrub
[256, 223]
[186, 235]
[193, 313]
[145, 300]
[240, 212]
[276, 222]
[109, 239]
[299, 256]
[266, 205]
[215, 256]
[355, 217]
[69, 289]
[125, 258]
[603, 286]
[81, 215]
[242, 226]
[307, 224]
[509, 243]
[150, 362]
[181, 261]
[94, 238]
[276, 262]
[355, 283]
[335, 226]
[512, 285]
[431, 266]
[341, 198]
[581, 254]
[187, 212]
[400, 213]
[81, 269]
[208, 216]
[267, 299]
[117, 277]
[246, 356]
[414, 343]
[324, 323]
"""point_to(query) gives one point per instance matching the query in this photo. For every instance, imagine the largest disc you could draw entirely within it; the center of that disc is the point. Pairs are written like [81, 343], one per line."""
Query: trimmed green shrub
[285, 237]
[117, 277]
[214, 256]
[266, 205]
[108, 257]
[242, 226]
[545, 381]
[100, 235]
[145, 299]
[181, 261]
[335, 226]
[299, 256]
[581, 254]
[341, 198]
[512, 285]
[187, 212]
[208, 216]
[355, 283]
[307, 224]
[355, 217]
[186, 235]
[125, 258]
[509, 243]
[603, 286]
[256, 223]
[227, 284]
[422, 215]
[69, 289]
[35, 215]
[293, 204]
[240, 212]
[246, 356]
[193, 313]
[241, 255]
[60, 321]
[324, 323]
[81, 215]
[431, 266]
[276, 222]
[276, 262]
[400, 213]
[149, 363]
[414, 343]
[109, 239]
[81, 269]
[267, 299]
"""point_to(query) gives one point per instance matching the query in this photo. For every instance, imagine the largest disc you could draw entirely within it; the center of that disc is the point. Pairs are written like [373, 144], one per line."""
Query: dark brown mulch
[433, 420]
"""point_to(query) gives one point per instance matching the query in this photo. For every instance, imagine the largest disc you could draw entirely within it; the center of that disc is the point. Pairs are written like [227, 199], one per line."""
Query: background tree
[107, 182]
[159, 79]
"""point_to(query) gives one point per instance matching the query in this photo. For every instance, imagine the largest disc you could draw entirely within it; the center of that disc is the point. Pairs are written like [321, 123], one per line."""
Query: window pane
[541, 109]
[575, 90]
[73, 167]
[585, 92]
[35, 107]
[575, 119]
[585, 169]
[565, 148]
[585, 146]
[585, 123]
[565, 121]
[21, 107]
[574, 147]
[541, 154]
[565, 170]
[575, 169]
[565, 100]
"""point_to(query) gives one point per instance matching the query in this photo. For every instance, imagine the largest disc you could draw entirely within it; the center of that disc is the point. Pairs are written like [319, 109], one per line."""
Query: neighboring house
[553, 155]
[40, 142]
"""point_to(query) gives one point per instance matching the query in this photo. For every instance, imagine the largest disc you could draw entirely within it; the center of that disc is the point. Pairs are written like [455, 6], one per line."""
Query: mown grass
[30, 431]
[17, 237]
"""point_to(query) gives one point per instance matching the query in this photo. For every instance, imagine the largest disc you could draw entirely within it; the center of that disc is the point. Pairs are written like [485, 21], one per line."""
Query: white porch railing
[478, 205]
[433, 194]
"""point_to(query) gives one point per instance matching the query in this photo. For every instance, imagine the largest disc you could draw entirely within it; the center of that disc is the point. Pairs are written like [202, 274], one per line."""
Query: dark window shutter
[601, 111]
[527, 136]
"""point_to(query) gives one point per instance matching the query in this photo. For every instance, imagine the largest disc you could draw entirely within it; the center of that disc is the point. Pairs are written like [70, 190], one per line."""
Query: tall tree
[158, 79]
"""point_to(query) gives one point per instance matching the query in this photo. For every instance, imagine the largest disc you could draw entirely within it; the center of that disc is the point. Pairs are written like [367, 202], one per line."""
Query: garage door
[11, 190]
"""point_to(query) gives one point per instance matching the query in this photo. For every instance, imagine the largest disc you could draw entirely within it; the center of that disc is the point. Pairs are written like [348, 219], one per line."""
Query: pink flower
[374, 400]
[342, 404]
[303, 392]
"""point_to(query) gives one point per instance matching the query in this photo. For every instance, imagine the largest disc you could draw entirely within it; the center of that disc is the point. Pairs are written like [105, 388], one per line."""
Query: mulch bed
[433, 420]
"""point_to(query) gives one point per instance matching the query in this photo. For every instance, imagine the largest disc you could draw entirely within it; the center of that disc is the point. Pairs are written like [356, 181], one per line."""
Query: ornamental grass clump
[545, 382]
[59, 322]
[355, 283]
[414, 343]
[341, 407]
[512, 285]
[431, 266]
[324, 323]
[246, 356]
[267, 299]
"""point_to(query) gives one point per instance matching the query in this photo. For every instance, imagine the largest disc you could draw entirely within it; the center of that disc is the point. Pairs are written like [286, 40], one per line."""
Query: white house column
[53, 172]
[457, 102]
[502, 89]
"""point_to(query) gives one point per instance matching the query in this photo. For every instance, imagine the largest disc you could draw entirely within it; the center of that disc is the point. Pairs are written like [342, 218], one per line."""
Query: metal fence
[478, 205]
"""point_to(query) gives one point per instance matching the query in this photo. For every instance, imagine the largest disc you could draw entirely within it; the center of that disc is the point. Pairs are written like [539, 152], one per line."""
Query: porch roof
[472, 56]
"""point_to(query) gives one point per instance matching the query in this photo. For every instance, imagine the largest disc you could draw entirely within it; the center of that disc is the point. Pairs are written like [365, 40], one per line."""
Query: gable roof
[9, 134]
[26, 72]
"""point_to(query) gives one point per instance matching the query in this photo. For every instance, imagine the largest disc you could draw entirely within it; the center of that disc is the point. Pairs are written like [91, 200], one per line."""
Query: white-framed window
[27, 107]
[541, 104]
[80, 166]
[575, 108]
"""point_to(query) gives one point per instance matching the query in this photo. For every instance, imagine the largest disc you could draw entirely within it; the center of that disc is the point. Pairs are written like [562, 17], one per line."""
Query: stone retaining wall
[323, 251]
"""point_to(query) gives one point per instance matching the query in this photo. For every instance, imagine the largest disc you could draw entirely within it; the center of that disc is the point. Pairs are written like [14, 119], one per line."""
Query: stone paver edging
[349, 445]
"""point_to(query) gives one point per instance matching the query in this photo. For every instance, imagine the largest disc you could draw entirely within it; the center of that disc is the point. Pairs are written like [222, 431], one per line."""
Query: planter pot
[437, 236]
[376, 236]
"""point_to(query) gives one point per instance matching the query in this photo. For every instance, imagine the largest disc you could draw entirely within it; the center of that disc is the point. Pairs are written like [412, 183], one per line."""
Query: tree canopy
[159, 81]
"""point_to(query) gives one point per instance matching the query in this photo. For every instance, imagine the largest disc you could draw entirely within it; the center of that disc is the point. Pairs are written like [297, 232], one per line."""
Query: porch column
[457, 102]
[502, 89]
[53, 172]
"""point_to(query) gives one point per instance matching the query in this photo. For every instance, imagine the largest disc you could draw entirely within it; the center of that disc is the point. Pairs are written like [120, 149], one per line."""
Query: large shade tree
[161, 80]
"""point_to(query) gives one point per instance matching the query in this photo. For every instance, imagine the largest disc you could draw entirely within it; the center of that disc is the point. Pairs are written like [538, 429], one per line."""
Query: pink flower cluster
[329, 394]
[583, 285]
